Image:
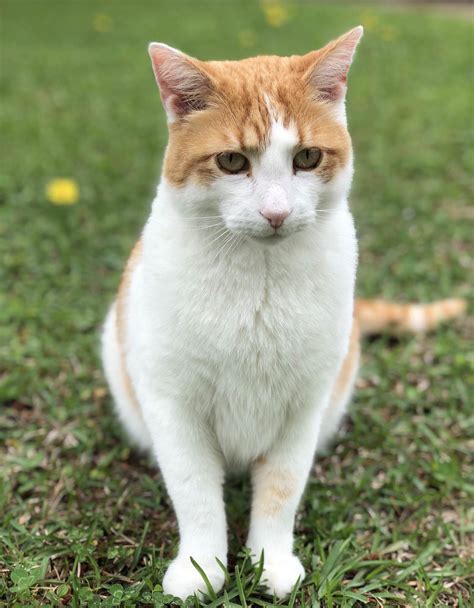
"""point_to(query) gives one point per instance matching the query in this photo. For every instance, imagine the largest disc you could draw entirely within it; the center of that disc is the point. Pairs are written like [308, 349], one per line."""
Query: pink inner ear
[183, 86]
[329, 73]
[333, 93]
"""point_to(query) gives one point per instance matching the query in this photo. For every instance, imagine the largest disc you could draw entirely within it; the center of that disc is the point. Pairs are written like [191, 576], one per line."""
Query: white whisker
[200, 217]
[235, 245]
[221, 248]
[229, 246]
[217, 237]
[207, 226]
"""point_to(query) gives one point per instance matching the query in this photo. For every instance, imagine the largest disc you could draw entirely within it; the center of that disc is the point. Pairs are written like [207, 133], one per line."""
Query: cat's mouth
[270, 239]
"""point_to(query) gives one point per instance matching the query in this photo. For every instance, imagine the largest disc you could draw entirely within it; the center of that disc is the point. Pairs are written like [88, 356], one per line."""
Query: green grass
[387, 516]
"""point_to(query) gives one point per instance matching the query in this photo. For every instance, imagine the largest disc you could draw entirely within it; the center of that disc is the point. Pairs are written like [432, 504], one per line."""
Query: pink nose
[275, 218]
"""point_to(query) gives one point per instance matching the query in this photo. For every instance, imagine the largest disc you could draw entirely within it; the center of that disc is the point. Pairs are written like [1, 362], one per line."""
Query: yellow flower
[102, 23]
[62, 191]
[276, 13]
[247, 38]
[369, 21]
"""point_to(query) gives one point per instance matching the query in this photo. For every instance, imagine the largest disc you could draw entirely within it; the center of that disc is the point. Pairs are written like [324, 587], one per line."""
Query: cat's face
[261, 143]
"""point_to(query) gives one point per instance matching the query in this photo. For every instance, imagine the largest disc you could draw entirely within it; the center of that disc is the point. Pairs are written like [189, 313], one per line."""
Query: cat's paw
[182, 579]
[281, 573]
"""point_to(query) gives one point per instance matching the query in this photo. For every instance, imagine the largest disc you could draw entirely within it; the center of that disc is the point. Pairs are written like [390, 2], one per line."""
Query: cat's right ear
[330, 65]
[184, 86]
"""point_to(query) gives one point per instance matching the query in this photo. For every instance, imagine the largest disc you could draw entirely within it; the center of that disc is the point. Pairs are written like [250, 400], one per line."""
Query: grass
[387, 518]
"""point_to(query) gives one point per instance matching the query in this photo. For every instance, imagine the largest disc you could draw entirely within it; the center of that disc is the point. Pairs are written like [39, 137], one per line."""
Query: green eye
[232, 162]
[307, 159]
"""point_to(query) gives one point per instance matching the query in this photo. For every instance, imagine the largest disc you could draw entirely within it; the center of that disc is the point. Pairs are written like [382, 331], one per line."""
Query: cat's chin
[271, 240]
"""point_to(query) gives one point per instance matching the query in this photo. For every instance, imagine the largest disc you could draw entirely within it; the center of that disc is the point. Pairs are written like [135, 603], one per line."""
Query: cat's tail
[378, 316]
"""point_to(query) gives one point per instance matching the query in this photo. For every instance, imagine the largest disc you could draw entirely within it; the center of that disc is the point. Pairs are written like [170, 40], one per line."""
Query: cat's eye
[307, 159]
[232, 162]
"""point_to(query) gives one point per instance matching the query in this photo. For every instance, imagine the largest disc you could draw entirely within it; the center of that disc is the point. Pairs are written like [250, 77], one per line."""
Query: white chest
[249, 338]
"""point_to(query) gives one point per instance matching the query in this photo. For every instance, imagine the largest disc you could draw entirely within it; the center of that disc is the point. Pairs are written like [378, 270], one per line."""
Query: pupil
[230, 158]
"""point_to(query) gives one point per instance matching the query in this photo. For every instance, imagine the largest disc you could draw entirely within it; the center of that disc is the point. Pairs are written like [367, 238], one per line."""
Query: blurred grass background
[388, 517]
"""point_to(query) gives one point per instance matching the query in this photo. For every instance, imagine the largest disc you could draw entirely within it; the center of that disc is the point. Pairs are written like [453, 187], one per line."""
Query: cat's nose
[275, 218]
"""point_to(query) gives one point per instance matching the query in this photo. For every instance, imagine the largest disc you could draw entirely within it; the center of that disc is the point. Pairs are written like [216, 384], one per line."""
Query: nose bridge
[275, 206]
[275, 198]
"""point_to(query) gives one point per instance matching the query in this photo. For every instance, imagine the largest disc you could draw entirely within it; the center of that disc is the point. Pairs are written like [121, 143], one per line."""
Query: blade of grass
[210, 589]
[240, 588]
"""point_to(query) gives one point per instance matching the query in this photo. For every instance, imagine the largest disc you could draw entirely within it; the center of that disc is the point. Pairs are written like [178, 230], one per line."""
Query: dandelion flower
[370, 21]
[62, 191]
[102, 23]
[276, 13]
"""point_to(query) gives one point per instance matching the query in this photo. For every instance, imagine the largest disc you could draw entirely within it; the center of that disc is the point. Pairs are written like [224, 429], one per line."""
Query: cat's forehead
[252, 95]
[258, 91]
[261, 70]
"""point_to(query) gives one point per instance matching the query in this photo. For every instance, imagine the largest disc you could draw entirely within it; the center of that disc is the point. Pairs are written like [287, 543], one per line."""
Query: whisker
[229, 246]
[236, 243]
[188, 228]
[200, 217]
[221, 248]
[207, 239]
[216, 238]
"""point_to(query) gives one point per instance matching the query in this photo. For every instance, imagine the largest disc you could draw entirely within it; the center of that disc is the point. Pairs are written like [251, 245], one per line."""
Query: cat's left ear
[183, 84]
[328, 67]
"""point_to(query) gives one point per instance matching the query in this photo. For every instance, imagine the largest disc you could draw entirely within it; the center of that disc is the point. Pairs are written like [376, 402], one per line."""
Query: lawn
[387, 518]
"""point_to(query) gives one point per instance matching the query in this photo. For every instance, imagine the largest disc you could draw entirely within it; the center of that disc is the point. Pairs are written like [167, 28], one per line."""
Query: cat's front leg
[278, 481]
[193, 472]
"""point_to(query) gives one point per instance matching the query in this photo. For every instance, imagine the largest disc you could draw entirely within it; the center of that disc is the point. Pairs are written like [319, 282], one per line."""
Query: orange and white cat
[232, 343]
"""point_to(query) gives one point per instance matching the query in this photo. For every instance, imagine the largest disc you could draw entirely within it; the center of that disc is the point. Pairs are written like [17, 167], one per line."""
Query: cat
[233, 342]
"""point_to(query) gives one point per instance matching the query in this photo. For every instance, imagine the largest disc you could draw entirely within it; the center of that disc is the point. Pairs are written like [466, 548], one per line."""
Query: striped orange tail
[377, 316]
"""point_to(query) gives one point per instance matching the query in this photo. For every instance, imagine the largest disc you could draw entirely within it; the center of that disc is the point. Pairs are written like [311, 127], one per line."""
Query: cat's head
[261, 143]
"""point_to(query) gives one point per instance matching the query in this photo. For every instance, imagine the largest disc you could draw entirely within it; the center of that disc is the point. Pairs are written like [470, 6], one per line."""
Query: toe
[281, 575]
[182, 579]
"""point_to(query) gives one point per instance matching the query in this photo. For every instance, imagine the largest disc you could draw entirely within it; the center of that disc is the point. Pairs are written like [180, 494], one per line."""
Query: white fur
[417, 318]
[234, 339]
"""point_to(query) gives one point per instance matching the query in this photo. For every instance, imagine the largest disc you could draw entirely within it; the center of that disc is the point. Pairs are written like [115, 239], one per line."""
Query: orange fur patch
[349, 366]
[238, 117]
[120, 307]
[272, 489]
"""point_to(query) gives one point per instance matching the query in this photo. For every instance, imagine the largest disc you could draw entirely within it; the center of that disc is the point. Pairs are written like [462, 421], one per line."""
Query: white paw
[281, 573]
[182, 579]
